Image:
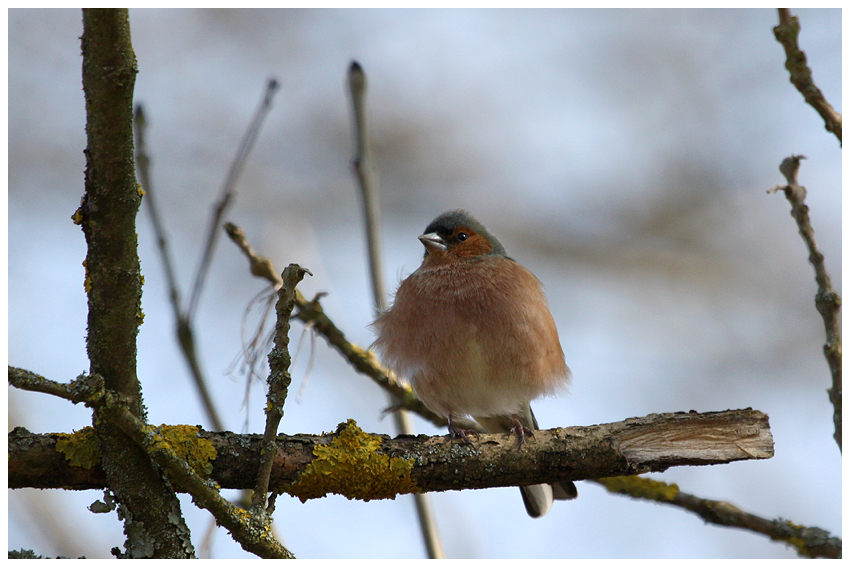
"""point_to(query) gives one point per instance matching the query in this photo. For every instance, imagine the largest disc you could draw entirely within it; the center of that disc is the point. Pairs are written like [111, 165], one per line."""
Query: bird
[472, 333]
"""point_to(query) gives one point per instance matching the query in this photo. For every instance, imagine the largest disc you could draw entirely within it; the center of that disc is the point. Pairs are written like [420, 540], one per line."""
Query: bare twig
[261, 266]
[227, 194]
[827, 300]
[279, 380]
[801, 76]
[143, 163]
[368, 180]
[809, 542]
[185, 332]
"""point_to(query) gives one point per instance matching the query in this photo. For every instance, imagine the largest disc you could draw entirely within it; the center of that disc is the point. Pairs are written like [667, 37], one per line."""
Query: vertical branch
[801, 76]
[367, 177]
[279, 380]
[368, 180]
[113, 282]
[111, 201]
[827, 300]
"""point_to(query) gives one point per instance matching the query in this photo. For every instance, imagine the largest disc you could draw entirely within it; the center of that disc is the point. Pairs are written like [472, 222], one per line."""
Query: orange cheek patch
[476, 245]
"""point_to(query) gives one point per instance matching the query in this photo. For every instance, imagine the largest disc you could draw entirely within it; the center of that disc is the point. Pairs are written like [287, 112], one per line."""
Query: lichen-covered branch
[359, 465]
[634, 446]
[801, 76]
[278, 381]
[827, 300]
[110, 203]
[809, 542]
[252, 531]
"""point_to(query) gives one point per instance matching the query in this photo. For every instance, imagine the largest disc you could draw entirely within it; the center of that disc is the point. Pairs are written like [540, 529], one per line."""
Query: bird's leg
[520, 430]
[455, 431]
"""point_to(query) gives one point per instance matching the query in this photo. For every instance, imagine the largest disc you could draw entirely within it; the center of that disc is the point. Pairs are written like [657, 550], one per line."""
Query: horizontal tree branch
[381, 467]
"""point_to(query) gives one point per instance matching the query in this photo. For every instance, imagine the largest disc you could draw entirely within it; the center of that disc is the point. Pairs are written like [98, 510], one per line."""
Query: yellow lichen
[185, 442]
[140, 315]
[77, 217]
[87, 280]
[640, 487]
[80, 448]
[139, 189]
[351, 466]
[799, 544]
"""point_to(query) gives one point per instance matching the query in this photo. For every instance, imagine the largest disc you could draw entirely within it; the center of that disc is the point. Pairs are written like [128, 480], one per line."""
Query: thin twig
[827, 300]
[185, 331]
[368, 181]
[801, 75]
[227, 194]
[367, 177]
[143, 162]
[279, 380]
[261, 266]
[809, 542]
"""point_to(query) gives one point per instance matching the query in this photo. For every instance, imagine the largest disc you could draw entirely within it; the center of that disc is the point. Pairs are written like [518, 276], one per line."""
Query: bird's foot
[521, 431]
[455, 431]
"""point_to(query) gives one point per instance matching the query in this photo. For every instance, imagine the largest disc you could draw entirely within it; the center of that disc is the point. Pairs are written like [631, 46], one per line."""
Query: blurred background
[623, 156]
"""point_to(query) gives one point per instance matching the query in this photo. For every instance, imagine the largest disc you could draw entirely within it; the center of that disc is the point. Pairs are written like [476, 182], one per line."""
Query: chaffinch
[472, 332]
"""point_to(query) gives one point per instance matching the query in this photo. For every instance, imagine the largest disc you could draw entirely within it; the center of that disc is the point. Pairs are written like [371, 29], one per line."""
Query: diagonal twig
[364, 361]
[801, 75]
[227, 193]
[809, 542]
[185, 332]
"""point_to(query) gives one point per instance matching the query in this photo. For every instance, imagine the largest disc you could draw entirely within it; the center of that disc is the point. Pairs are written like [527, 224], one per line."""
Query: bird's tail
[537, 498]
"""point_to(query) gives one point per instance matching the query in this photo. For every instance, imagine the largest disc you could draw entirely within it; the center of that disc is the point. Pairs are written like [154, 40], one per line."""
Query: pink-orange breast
[473, 337]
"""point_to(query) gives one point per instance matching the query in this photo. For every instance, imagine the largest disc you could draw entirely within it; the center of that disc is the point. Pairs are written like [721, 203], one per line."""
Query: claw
[520, 430]
[455, 431]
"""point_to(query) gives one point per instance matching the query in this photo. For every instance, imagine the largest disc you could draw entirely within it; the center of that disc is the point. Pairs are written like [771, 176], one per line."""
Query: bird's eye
[462, 236]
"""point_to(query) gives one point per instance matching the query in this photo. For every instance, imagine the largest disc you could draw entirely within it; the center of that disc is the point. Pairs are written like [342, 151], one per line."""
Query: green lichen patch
[80, 448]
[641, 487]
[184, 440]
[351, 466]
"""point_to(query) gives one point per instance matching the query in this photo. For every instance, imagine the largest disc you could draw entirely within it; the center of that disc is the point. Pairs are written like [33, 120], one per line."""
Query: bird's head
[456, 235]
